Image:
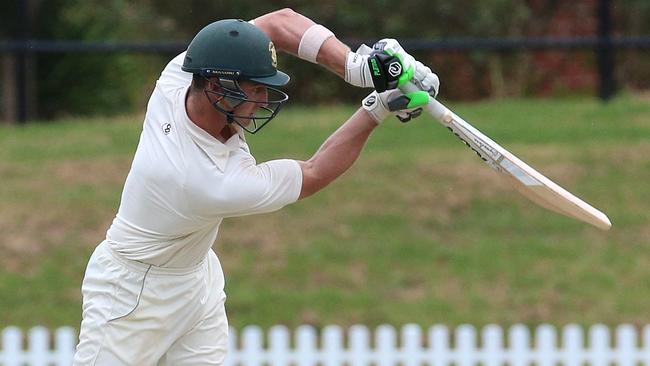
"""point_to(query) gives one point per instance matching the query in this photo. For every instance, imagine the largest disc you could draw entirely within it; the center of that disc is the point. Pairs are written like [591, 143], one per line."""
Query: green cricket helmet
[230, 51]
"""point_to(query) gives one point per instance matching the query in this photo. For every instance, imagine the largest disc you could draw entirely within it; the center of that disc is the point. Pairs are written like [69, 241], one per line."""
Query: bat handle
[434, 107]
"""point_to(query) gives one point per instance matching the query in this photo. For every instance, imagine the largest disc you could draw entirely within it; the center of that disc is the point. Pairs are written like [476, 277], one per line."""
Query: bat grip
[434, 107]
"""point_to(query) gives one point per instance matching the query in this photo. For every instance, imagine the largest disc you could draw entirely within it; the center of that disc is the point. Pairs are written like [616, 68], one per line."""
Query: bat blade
[523, 177]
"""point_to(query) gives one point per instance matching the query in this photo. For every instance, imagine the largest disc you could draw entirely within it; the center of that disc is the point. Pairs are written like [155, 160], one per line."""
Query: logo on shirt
[166, 128]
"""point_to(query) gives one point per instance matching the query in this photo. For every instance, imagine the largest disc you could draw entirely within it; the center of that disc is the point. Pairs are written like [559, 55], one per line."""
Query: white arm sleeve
[270, 186]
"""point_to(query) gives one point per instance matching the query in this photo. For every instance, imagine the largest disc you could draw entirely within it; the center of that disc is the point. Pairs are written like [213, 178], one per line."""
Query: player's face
[248, 104]
[258, 96]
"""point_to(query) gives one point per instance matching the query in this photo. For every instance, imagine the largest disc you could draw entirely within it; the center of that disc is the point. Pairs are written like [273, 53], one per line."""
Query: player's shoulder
[172, 76]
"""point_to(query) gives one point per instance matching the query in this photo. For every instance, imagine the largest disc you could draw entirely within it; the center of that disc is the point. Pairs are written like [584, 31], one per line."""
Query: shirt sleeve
[173, 77]
[277, 183]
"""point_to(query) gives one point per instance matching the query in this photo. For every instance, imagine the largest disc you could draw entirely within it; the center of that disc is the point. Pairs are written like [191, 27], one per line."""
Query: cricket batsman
[153, 291]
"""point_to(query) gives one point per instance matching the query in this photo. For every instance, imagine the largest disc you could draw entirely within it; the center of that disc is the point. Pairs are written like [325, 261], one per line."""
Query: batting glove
[369, 69]
[414, 70]
[404, 106]
[387, 66]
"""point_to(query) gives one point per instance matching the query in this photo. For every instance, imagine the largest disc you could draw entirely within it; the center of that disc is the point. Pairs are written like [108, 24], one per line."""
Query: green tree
[79, 83]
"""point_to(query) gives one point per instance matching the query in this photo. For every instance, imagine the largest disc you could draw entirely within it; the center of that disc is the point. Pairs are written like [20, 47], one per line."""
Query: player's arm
[342, 148]
[337, 154]
[298, 35]
[286, 29]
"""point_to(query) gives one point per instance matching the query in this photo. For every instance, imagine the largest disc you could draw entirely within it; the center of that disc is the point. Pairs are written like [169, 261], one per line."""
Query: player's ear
[213, 84]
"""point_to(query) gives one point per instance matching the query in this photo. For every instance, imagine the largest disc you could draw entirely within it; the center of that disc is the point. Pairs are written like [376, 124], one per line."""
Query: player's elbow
[275, 22]
[280, 26]
[312, 180]
[284, 15]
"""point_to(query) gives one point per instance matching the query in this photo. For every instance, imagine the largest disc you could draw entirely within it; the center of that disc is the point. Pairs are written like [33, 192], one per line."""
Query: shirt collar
[217, 151]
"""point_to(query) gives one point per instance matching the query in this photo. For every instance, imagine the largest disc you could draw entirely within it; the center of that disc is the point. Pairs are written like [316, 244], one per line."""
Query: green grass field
[420, 230]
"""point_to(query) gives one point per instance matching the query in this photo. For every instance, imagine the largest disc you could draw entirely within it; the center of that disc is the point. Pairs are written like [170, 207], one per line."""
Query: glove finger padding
[425, 79]
[404, 106]
[406, 116]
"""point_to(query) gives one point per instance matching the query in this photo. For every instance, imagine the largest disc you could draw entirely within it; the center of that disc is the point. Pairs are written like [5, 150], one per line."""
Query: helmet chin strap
[229, 113]
[218, 105]
[229, 86]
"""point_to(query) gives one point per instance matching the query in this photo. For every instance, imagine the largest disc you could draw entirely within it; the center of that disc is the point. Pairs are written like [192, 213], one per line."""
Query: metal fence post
[605, 51]
[24, 65]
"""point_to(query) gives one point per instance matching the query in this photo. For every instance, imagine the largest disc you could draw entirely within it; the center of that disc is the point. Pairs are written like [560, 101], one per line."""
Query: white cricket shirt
[183, 182]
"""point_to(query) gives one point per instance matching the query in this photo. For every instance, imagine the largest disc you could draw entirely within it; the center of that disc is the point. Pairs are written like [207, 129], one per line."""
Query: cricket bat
[524, 178]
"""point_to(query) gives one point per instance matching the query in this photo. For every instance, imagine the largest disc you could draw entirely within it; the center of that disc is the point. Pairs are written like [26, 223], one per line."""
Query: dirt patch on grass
[27, 235]
[28, 238]
[641, 95]
[94, 172]
[455, 184]
[42, 220]
[632, 155]
[264, 235]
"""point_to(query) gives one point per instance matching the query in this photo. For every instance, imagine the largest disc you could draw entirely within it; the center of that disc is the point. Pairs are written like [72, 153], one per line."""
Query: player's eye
[259, 90]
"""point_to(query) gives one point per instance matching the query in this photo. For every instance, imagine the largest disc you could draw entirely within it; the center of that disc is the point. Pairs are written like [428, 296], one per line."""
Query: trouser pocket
[127, 294]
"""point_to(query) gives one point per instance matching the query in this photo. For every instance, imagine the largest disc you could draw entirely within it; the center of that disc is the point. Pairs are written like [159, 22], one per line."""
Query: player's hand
[369, 69]
[387, 66]
[404, 106]
[413, 70]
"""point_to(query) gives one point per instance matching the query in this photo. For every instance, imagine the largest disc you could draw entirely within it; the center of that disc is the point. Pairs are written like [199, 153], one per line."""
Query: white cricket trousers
[138, 314]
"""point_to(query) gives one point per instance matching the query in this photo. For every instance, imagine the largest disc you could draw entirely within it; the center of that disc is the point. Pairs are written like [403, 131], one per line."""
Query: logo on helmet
[274, 56]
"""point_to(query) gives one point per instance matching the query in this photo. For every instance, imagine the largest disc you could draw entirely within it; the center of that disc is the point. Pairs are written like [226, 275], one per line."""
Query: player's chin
[245, 121]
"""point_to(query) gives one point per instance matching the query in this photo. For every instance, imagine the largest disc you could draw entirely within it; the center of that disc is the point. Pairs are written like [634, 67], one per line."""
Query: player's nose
[265, 97]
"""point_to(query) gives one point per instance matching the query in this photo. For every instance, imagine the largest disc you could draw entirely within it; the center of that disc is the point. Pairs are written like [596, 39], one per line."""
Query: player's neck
[206, 117]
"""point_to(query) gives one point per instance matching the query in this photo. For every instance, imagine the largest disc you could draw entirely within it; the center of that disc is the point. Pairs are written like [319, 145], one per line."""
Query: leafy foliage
[91, 83]
[87, 83]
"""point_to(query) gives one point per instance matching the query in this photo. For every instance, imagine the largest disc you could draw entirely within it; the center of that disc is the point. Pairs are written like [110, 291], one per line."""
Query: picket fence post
[333, 346]
[278, 345]
[439, 352]
[465, 352]
[385, 346]
[626, 344]
[12, 340]
[306, 346]
[39, 340]
[599, 345]
[66, 341]
[412, 349]
[492, 336]
[252, 341]
[359, 345]
[520, 345]
[545, 346]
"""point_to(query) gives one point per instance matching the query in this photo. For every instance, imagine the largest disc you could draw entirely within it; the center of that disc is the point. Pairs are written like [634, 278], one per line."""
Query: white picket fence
[386, 346]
